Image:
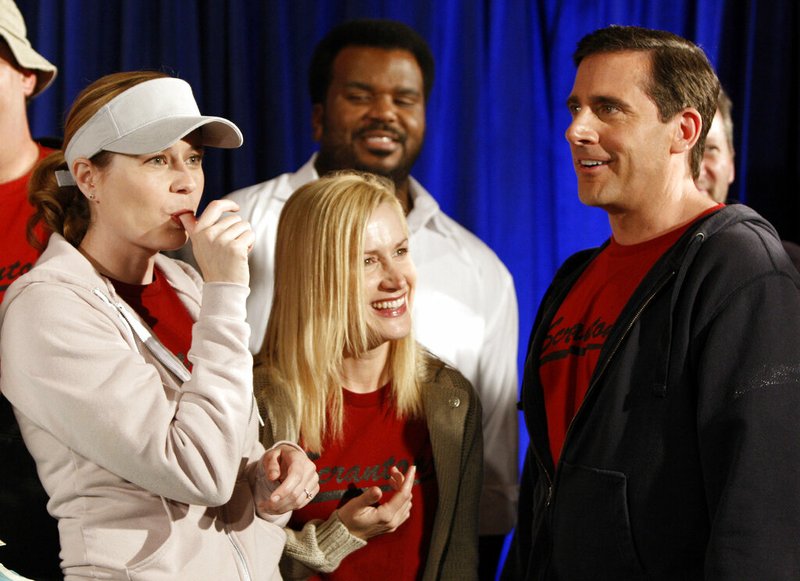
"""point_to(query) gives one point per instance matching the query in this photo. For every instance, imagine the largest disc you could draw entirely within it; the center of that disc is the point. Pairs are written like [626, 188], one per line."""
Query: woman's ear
[85, 173]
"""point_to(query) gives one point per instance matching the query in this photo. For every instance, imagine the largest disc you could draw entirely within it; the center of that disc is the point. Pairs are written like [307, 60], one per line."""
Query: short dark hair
[375, 33]
[680, 74]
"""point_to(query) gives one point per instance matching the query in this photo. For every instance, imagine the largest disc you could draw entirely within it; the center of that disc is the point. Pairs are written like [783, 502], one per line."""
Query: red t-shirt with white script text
[374, 440]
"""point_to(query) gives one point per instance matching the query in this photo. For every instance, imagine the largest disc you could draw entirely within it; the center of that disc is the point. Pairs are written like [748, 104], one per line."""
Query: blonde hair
[64, 209]
[318, 315]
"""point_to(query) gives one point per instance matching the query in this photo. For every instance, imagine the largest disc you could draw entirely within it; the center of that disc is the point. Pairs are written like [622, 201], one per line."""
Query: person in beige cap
[134, 388]
[24, 73]
[29, 533]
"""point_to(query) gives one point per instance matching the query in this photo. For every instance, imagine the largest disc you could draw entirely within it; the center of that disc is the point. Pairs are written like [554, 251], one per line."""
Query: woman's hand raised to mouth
[220, 242]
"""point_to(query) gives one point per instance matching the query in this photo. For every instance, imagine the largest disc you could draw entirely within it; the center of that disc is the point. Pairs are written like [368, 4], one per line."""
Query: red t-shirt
[160, 307]
[579, 328]
[16, 255]
[375, 439]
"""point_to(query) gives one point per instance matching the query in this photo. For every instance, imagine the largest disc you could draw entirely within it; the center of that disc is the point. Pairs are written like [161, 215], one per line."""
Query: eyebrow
[358, 85]
[367, 87]
[403, 242]
[607, 100]
[596, 100]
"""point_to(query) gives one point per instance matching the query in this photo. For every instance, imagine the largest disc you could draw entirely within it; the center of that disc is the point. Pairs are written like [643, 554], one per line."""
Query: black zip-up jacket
[683, 461]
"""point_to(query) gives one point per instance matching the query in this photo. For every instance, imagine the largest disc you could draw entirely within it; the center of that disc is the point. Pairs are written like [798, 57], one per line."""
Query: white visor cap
[146, 118]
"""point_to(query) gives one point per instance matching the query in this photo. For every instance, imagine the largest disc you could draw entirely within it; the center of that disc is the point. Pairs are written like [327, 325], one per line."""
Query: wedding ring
[309, 496]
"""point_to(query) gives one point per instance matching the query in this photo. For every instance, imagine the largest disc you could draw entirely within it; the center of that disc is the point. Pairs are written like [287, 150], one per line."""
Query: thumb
[272, 468]
[369, 497]
[189, 222]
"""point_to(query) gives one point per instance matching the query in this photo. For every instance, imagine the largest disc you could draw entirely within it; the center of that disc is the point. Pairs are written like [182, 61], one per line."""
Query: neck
[18, 151]
[403, 194]
[369, 372]
[323, 165]
[120, 264]
[669, 213]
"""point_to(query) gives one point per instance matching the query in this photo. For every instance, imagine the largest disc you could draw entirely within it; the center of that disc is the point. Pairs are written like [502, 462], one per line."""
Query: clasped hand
[366, 520]
[296, 475]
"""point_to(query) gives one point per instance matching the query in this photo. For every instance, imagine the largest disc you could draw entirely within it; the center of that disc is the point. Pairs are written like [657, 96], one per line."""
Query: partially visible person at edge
[130, 378]
[717, 170]
[29, 533]
[369, 82]
[662, 384]
[340, 371]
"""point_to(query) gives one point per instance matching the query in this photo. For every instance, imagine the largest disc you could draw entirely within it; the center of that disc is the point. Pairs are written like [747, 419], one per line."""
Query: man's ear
[689, 122]
[317, 121]
[29, 79]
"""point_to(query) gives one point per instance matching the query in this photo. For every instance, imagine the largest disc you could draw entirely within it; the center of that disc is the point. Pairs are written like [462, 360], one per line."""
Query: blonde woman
[129, 377]
[394, 433]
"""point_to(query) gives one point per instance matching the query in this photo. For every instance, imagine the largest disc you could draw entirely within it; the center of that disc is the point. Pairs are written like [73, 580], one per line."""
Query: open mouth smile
[391, 308]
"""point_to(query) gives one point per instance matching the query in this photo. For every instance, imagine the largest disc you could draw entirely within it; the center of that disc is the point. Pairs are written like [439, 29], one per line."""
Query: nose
[383, 109]
[581, 131]
[184, 179]
[393, 278]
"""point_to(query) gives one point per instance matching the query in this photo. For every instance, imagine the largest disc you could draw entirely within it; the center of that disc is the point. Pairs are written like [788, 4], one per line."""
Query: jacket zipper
[173, 364]
[547, 476]
[154, 345]
[156, 348]
[599, 373]
[239, 554]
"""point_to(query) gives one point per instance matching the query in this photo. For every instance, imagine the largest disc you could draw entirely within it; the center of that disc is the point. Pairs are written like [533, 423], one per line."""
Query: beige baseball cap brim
[14, 32]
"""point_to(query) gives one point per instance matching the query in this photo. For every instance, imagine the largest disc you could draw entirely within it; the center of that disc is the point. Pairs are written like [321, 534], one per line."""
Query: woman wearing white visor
[131, 378]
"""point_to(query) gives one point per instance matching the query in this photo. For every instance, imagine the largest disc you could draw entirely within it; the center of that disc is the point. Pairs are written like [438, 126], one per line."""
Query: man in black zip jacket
[662, 383]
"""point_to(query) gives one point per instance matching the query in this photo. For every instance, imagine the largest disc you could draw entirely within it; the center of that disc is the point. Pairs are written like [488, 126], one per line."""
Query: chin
[590, 200]
[386, 171]
[175, 241]
[397, 334]
[383, 333]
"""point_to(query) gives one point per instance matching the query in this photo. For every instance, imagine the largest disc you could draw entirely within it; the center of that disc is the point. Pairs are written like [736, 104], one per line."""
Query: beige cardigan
[453, 415]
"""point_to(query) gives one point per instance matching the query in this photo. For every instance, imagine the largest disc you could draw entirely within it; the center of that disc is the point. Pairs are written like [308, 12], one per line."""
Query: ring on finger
[309, 496]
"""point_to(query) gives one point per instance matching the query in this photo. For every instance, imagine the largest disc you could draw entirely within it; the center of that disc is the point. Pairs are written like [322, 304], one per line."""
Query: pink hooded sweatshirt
[153, 473]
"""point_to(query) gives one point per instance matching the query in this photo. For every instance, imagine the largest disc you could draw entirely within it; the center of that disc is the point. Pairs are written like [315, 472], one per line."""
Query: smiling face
[620, 147]
[389, 276]
[373, 118]
[717, 167]
[138, 198]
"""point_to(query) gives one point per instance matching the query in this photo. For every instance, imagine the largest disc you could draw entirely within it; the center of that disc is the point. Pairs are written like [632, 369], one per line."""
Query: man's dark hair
[385, 34]
[681, 75]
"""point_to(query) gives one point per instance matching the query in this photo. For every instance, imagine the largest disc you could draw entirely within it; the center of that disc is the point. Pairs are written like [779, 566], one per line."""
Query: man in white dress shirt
[369, 83]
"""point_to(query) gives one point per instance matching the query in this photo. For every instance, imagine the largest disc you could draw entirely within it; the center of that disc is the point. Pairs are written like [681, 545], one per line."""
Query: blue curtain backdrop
[495, 156]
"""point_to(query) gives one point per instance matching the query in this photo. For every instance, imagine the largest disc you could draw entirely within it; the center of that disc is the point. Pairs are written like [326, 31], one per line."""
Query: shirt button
[454, 402]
